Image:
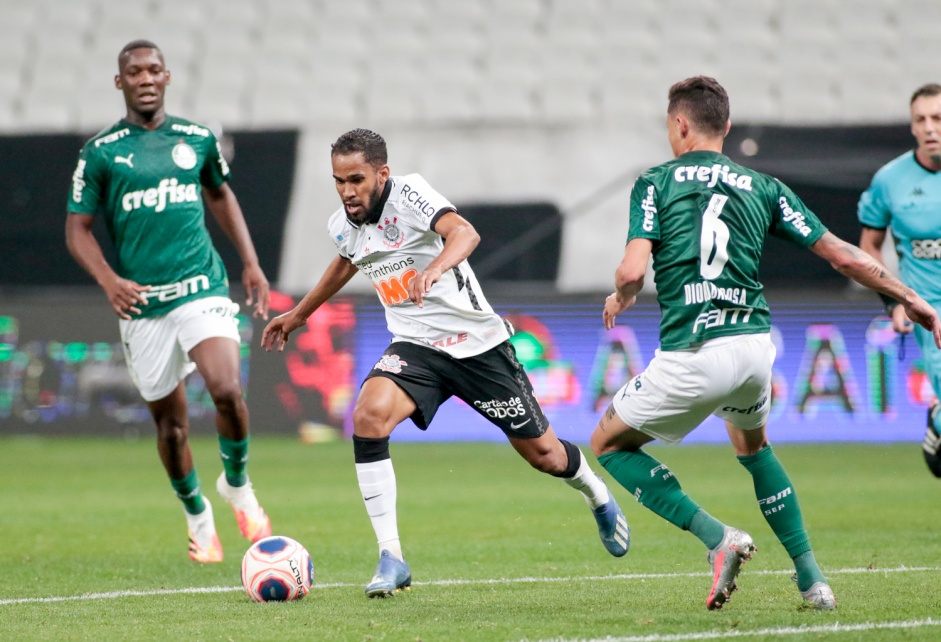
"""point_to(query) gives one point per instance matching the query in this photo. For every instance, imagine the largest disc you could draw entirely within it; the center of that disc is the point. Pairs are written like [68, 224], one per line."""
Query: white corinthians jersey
[398, 243]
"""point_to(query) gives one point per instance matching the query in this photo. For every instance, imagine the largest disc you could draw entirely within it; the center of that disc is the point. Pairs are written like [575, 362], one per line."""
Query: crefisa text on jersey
[712, 175]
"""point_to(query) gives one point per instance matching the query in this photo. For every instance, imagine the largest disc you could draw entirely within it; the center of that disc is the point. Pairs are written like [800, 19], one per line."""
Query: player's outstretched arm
[226, 210]
[460, 239]
[628, 280]
[870, 242]
[123, 294]
[853, 262]
[337, 274]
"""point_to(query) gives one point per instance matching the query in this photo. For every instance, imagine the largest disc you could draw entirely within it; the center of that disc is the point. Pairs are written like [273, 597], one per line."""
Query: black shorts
[492, 383]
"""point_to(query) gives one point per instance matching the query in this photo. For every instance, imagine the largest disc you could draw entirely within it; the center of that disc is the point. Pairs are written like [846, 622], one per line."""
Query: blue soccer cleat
[392, 575]
[612, 527]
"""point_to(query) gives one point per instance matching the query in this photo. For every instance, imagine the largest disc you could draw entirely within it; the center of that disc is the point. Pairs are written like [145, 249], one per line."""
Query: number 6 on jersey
[714, 240]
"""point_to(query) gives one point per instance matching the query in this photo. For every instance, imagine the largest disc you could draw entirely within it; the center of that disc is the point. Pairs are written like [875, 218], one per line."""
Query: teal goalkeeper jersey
[906, 197]
[708, 218]
[147, 185]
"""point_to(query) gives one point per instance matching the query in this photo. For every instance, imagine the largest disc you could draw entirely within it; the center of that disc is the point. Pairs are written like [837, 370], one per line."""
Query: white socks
[589, 484]
[377, 485]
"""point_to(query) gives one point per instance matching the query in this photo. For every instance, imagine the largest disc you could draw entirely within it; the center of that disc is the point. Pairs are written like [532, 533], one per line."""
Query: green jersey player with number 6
[146, 176]
[704, 219]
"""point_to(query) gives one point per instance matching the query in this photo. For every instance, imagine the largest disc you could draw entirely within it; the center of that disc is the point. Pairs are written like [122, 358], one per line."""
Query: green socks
[234, 457]
[187, 489]
[778, 504]
[655, 487]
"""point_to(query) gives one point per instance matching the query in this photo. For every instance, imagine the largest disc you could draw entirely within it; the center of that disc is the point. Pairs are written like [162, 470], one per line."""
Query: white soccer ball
[277, 569]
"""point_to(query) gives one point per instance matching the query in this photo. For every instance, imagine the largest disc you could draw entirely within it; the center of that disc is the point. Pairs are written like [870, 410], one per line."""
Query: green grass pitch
[94, 548]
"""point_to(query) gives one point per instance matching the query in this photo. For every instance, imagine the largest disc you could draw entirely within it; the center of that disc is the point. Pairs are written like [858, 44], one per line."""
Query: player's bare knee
[226, 395]
[173, 433]
[369, 420]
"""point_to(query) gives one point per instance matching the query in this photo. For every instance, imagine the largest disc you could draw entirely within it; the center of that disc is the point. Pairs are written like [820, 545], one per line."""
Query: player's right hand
[922, 313]
[276, 333]
[125, 295]
[613, 306]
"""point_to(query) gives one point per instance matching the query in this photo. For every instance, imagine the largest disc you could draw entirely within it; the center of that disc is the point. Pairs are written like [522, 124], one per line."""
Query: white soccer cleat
[205, 547]
[820, 595]
[726, 559]
[252, 520]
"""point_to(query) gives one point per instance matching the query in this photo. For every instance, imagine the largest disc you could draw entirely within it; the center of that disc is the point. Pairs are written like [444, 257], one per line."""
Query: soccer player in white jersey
[704, 219]
[146, 176]
[905, 196]
[447, 341]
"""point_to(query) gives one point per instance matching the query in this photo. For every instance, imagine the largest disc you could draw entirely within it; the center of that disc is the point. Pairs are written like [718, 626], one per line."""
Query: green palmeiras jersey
[707, 218]
[147, 185]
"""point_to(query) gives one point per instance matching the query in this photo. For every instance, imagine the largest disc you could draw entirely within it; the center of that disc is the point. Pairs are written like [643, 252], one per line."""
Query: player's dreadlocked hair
[370, 144]
[704, 101]
[929, 90]
[136, 44]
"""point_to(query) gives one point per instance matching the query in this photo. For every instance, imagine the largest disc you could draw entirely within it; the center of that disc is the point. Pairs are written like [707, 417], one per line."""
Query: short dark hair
[704, 101]
[931, 89]
[136, 44]
[365, 141]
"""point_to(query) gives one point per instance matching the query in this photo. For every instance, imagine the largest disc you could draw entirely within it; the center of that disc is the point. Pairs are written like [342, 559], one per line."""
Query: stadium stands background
[557, 101]
[533, 116]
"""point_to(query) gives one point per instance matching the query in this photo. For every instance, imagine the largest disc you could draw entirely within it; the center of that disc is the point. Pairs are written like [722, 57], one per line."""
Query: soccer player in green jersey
[703, 219]
[146, 176]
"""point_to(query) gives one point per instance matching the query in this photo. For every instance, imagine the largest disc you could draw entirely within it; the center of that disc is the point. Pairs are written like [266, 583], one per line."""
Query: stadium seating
[473, 46]
[596, 70]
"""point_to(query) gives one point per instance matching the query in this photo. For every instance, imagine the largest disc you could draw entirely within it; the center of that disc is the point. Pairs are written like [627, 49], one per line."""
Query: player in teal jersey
[704, 219]
[905, 196]
[146, 176]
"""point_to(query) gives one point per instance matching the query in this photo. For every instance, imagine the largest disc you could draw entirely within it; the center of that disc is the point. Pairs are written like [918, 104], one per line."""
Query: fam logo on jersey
[184, 156]
[110, 138]
[390, 363]
[392, 236]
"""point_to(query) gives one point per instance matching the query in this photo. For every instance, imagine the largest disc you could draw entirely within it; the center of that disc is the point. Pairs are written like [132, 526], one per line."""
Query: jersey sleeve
[872, 210]
[644, 222]
[424, 201]
[339, 232]
[792, 220]
[215, 169]
[88, 183]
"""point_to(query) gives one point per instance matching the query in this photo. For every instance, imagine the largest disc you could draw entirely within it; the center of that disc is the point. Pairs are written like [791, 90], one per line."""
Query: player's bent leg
[777, 500]
[381, 406]
[559, 458]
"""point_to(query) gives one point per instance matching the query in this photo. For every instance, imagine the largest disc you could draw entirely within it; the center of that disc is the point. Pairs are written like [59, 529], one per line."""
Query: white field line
[777, 631]
[457, 582]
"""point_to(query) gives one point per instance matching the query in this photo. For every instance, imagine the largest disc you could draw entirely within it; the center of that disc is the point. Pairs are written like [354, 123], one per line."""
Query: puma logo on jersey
[127, 161]
[168, 190]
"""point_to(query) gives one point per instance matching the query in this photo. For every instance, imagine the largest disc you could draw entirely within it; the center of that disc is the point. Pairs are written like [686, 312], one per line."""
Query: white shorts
[157, 349]
[729, 377]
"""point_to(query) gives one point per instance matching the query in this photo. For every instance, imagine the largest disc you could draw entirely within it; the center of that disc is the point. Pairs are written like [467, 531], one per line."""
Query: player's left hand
[613, 306]
[254, 279]
[421, 285]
